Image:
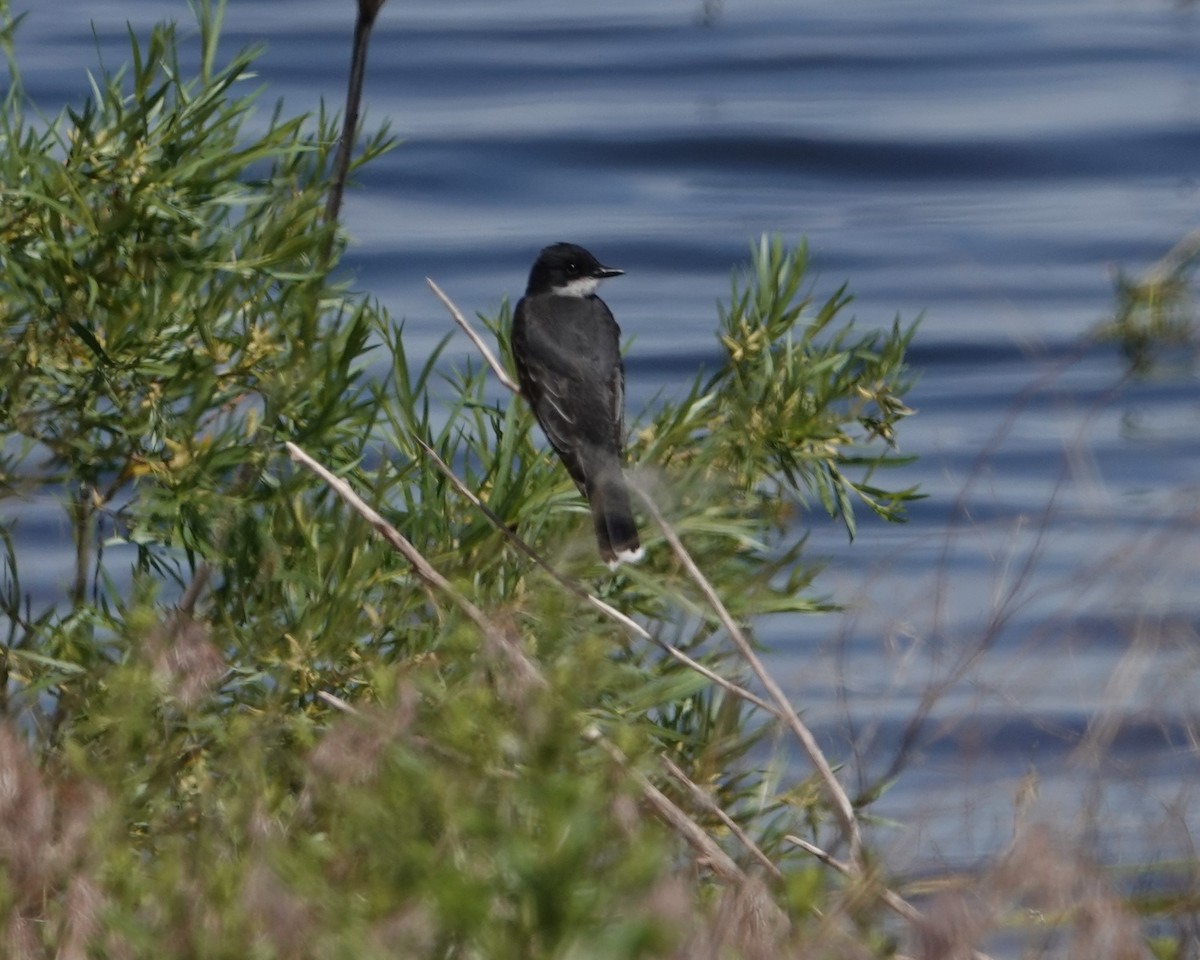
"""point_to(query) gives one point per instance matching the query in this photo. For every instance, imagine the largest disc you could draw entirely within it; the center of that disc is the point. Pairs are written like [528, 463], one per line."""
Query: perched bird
[568, 354]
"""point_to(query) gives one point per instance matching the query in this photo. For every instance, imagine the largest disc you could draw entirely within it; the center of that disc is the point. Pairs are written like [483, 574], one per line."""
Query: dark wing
[617, 392]
[568, 361]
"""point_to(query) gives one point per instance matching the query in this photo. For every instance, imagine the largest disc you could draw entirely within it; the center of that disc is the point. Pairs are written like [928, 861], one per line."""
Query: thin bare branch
[339, 704]
[423, 567]
[702, 797]
[837, 793]
[721, 863]
[1175, 260]
[894, 902]
[457, 316]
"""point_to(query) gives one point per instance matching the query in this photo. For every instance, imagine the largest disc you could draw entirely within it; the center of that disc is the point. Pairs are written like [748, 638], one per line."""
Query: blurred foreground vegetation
[240, 724]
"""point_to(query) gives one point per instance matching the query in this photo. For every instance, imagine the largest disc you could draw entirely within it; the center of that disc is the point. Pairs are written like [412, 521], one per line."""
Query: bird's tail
[616, 531]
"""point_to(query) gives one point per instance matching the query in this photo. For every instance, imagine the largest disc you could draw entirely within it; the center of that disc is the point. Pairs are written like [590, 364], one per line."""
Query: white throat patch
[583, 287]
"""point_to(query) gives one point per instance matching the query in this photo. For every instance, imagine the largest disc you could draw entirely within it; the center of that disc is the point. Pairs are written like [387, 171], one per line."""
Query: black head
[568, 270]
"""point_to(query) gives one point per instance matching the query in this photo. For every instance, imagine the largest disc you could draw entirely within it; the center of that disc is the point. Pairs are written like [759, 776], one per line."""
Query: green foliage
[167, 323]
[800, 402]
[186, 784]
[1157, 311]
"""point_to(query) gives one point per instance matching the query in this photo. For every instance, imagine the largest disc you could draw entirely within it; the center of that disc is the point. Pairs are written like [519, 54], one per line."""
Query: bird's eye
[572, 267]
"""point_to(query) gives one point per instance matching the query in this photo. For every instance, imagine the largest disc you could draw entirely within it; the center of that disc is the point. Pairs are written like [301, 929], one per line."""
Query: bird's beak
[605, 272]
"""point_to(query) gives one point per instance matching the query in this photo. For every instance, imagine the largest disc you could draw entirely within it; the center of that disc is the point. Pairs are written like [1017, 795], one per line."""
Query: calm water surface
[990, 165]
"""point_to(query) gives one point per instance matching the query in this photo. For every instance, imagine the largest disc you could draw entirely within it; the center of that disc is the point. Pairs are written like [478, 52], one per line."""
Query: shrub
[245, 726]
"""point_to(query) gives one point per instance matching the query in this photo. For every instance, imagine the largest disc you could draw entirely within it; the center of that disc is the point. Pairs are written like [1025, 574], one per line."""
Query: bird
[566, 347]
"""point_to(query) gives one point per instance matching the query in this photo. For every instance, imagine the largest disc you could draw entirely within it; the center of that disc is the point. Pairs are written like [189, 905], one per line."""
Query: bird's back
[569, 363]
[574, 328]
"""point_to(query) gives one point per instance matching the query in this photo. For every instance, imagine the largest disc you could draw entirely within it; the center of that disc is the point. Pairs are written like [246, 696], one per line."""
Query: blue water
[988, 165]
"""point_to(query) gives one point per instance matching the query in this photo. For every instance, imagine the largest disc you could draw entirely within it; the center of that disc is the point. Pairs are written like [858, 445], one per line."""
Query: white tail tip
[627, 556]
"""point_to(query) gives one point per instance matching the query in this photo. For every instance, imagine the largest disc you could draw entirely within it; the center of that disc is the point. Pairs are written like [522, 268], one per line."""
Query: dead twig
[424, 569]
[457, 316]
[837, 793]
[894, 902]
[695, 836]
[339, 704]
[708, 803]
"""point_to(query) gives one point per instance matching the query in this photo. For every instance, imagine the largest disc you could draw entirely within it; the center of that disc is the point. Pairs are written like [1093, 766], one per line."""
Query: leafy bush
[246, 726]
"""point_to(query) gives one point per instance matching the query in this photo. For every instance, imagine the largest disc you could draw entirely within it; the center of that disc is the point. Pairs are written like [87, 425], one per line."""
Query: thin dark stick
[367, 10]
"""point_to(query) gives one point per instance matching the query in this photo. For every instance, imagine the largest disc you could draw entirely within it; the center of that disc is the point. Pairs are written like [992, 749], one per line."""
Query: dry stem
[423, 567]
[709, 804]
[837, 794]
[457, 316]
